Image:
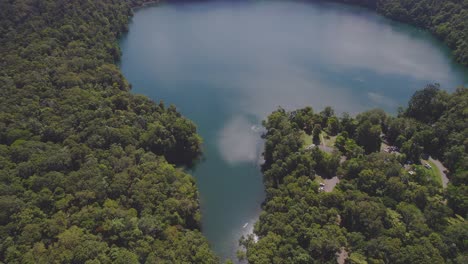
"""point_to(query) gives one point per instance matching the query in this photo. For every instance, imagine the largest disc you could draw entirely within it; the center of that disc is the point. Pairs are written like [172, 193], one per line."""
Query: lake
[227, 65]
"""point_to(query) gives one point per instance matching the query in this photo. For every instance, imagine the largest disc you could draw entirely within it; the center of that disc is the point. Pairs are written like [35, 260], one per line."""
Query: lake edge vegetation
[387, 207]
[89, 172]
[367, 219]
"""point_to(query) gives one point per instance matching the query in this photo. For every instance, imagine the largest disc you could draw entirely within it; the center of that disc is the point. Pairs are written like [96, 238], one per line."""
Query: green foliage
[379, 212]
[87, 170]
[427, 105]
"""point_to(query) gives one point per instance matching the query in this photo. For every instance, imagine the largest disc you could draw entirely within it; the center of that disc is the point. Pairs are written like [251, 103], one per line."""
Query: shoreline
[145, 4]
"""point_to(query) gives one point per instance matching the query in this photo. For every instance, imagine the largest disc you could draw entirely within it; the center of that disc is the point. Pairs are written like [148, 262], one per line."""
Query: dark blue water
[227, 65]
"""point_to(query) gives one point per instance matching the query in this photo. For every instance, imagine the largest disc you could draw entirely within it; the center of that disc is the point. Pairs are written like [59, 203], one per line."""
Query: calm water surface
[227, 65]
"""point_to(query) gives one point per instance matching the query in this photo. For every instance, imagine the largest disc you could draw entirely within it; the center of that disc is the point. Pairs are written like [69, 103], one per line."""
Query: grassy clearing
[319, 179]
[327, 140]
[306, 139]
[434, 171]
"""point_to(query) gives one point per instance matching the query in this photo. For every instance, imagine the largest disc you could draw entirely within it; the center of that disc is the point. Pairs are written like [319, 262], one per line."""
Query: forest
[89, 173]
[387, 207]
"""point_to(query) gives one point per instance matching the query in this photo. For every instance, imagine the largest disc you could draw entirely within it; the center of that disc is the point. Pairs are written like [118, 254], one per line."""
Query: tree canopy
[88, 170]
[90, 173]
[384, 209]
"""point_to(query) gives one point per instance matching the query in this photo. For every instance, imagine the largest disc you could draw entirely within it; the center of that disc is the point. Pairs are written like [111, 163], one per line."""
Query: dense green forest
[387, 208]
[446, 19]
[87, 170]
[90, 173]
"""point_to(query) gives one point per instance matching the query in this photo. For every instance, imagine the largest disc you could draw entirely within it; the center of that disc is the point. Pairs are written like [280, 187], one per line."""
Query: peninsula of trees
[387, 207]
[88, 171]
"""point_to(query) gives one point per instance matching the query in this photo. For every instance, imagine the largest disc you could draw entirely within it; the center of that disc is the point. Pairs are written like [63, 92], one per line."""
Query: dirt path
[323, 145]
[342, 256]
[442, 170]
[330, 183]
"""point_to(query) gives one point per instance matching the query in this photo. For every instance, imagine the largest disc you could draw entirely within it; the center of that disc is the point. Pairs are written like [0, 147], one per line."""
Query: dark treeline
[87, 170]
[446, 19]
[387, 208]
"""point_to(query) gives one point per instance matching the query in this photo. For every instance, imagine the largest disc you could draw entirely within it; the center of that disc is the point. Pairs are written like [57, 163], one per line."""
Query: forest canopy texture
[87, 169]
[388, 207]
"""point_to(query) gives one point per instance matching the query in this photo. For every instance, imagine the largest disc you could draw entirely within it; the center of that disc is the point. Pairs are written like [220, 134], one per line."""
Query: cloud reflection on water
[227, 64]
[271, 54]
[237, 142]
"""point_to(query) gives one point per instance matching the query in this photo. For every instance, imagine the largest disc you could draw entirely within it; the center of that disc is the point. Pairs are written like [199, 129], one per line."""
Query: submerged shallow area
[227, 65]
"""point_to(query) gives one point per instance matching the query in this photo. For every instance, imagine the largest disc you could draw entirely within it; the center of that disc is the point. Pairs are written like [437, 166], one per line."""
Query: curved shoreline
[199, 123]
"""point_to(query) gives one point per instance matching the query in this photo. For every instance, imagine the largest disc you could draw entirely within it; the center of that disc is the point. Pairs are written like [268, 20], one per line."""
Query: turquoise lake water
[227, 65]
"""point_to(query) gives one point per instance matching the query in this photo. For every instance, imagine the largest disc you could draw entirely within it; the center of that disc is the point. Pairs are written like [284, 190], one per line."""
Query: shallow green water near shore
[227, 65]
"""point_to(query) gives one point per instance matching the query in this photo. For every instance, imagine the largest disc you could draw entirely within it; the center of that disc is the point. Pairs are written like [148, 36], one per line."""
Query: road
[442, 170]
[342, 255]
[330, 183]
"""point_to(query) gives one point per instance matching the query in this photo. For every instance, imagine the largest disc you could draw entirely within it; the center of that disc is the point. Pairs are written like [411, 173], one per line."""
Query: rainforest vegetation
[90, 173]
[387, 208]
[87, 170]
